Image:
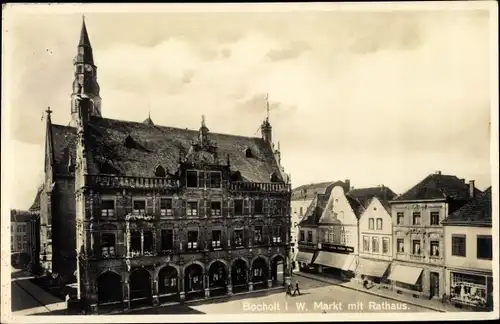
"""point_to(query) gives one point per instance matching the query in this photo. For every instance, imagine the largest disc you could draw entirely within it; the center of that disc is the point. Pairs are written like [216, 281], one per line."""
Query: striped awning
[304, 257]
[372, 268]
[336, 260]
[405, 274]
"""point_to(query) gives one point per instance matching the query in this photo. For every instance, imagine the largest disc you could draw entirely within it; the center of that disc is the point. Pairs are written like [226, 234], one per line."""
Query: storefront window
[468, 289]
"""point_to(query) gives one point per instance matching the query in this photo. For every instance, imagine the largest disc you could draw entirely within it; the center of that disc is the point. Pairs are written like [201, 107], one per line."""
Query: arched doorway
[140, 288]
[239, 280]
[193, 282]
[217, 279]
[259, 273]
[109, 290]
[168, 284]
[278, 270]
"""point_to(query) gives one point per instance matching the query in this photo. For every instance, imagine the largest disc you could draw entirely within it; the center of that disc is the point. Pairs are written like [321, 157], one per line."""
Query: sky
[376, 97]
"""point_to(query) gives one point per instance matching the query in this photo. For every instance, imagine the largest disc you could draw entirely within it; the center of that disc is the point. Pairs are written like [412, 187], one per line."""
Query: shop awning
[372, 267]
[304, 257]
[336, 260]
[405, 274]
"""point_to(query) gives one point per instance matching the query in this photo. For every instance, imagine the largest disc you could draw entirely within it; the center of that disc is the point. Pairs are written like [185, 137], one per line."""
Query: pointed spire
[267, 106]
[84, 36]
[49, 112]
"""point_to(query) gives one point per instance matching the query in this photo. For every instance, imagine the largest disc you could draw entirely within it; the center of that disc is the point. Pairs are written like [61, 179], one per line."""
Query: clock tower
[85, 81]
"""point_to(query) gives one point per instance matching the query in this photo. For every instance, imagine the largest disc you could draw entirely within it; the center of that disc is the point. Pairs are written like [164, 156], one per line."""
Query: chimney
[471, 188]
[347, 184]
[438, 172]
[463, 180]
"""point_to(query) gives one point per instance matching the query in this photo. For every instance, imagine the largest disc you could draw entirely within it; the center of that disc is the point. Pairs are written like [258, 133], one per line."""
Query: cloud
[375, 97]
[292, 50]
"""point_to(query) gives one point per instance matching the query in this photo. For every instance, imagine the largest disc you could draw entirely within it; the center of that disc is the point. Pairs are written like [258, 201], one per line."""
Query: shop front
[374, 271]
[337, 264]
[406, 279]
[305, 260]
[472, 290]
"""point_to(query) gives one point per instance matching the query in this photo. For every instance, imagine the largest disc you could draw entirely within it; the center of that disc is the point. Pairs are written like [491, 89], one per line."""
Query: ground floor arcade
[141, 286]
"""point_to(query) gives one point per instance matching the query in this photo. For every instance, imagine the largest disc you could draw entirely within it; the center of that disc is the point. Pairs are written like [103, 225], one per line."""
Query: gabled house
[468, 253]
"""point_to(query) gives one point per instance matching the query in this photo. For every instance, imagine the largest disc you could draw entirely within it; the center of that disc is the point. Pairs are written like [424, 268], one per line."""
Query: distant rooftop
[476, 212]
[309, 191]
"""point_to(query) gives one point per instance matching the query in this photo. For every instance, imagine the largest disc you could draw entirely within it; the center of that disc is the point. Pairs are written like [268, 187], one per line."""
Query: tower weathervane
[203, 120]
[267, 105]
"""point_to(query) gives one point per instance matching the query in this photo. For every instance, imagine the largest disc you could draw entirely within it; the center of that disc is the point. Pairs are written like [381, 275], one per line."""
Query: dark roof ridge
[161, 127]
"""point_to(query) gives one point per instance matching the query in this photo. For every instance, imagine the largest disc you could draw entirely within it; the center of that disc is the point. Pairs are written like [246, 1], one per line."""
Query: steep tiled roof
[308, 191]
[436, 186]
[36, 202]
[476, 211]
[360, 198]
[162, 145]
[19, 216]
[315, 210]
[64, 142]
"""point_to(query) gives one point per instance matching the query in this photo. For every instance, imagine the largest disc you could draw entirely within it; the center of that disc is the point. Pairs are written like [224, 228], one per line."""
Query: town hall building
[146, 214]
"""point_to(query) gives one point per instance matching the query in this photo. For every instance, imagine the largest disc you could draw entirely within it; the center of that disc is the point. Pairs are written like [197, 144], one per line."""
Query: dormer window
[160, 171]
[130, 142]
[274, 177]
[248, 153]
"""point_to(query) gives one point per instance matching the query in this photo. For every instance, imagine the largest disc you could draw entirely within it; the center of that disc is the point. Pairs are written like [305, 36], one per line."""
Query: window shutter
[149, 206]
[207, 180]
[183, 208]
[246, 206]
[202, 207]
[201, 179]
[97, 206]
[119, 207]
[225, 207]
[231, 207]
[265, 203]
[208, 207]
[128, 204]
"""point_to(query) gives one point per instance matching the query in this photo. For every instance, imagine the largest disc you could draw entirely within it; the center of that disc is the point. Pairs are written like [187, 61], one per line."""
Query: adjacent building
[329, 232]
[418, 235]
[469, 252]
[18, 231]
[158, 213]
[33, 231]
[302, 198]
[375, 239]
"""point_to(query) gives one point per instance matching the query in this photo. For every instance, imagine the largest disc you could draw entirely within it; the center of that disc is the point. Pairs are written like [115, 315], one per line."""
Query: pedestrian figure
[289, 289]
[296, 288]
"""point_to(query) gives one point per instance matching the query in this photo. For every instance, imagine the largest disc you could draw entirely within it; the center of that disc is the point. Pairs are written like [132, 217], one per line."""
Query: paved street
[27, 298]
[316, 297]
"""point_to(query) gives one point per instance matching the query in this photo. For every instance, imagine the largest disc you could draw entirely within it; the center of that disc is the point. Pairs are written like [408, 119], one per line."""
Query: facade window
[458, 245]
[216, 239]
[375, 245]
[366, 243]
[371, 225]
[434, 218]
[215, 208]
[331, 237]
[416, 247]
[401, 245]
[258, 235]
[277, 206]
[302, 237]
[49, 234]
[238, 207]
[385, 245]
[166, 208]
[192, 240]
[484, 247]
[19, 238]
[258, 206]
[135, 243]
[192, 209]
[107, 208]
[192, 179]
[19, 228]
[400, 218]
[19, 246]
[148, 244]
[309, 236]
[238, 237]
[167, 239]
[215, 179]
[276, 234]
[416, 218]
[140, 206]
[435, 248]
[379, 223]
[108, 244]
[301, 213]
